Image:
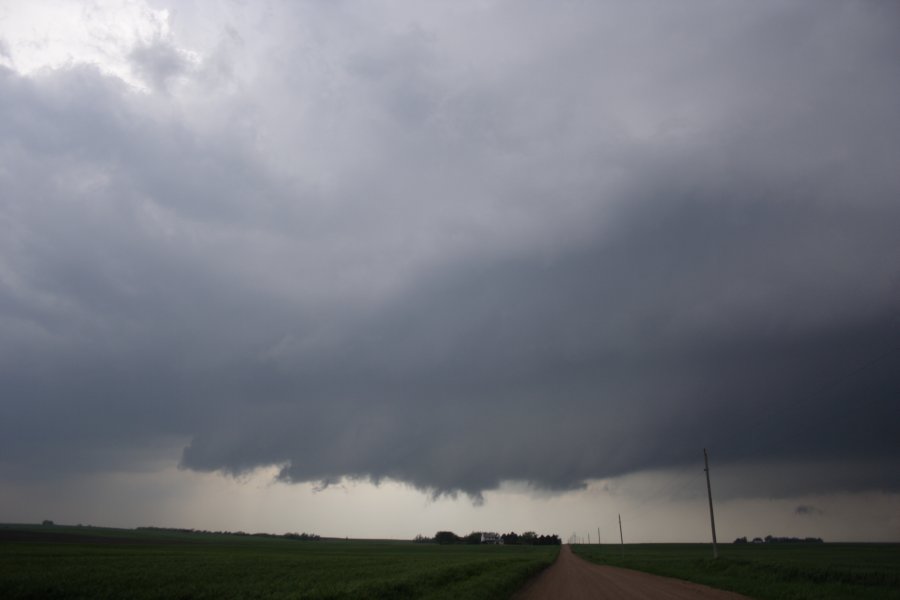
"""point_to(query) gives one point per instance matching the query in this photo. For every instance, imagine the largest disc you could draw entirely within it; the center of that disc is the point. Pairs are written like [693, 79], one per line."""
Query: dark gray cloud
[805, 510]
[158, 63]
[478, 245]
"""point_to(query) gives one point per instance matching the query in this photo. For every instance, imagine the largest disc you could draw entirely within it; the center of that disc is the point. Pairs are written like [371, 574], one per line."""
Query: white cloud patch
[128, 39]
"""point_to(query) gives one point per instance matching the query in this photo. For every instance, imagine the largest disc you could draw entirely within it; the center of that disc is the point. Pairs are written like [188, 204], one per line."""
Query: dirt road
[573, 578]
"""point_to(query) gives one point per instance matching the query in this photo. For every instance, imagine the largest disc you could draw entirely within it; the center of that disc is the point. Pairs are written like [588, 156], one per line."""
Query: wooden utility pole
[621, 537]
[598, 536]
[712, 518]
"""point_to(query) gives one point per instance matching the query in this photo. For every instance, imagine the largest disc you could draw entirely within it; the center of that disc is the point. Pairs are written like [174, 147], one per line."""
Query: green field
[768, 571]
[88, 562]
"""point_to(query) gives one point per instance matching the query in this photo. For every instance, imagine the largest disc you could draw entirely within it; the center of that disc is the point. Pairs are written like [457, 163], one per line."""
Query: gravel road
[573, 578]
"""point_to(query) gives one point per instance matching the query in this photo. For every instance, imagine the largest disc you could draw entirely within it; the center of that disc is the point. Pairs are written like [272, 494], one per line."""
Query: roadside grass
[113, 563]
[768, 571]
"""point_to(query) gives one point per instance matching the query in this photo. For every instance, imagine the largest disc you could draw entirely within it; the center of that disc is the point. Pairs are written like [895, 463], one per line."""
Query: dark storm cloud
[517, 244]
[557, 371]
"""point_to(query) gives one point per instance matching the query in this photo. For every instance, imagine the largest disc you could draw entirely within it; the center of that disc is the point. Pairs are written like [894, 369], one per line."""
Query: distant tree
[47, 522]
[792, 540]
[473, 538]
[446, 537]
[528, 537]
[548, 540]
[741, 540]
[510, 538]
[305, 537]
[423, 539]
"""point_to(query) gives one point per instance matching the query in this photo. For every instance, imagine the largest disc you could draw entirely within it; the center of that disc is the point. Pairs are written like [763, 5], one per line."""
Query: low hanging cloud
[456, 247]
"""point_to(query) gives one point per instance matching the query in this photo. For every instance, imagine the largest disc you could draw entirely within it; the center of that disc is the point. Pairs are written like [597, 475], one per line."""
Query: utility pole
[589, 538]
[621, 537]
[598, 536]
[712, 518]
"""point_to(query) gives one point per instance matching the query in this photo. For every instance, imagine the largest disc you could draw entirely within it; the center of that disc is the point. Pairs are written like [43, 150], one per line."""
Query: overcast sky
[386, 267]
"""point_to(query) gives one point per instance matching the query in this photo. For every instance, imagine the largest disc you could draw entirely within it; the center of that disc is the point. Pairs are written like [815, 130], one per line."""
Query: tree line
[779, 540]
[529, 538]
[310, 537]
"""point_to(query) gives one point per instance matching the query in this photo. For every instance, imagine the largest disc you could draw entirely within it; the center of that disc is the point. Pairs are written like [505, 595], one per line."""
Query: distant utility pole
[598, 536]
[712, 518]
[589, 538]
[621, 537]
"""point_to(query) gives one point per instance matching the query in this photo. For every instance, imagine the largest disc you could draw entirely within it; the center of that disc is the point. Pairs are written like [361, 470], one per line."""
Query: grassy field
[768, 571]
[88, 562]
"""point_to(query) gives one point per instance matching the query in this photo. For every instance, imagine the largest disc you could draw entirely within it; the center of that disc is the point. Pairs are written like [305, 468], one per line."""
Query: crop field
[768, 571]
[89, 562]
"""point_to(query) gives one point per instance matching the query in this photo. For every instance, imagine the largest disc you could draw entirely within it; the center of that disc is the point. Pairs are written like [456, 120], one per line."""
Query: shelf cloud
[457, 245]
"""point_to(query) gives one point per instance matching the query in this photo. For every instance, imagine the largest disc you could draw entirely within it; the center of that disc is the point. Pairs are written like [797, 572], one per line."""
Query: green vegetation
[91, 562]
[768, 571]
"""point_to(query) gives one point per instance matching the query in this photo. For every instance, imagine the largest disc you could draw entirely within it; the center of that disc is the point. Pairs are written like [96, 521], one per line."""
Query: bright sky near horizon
[375, 269]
